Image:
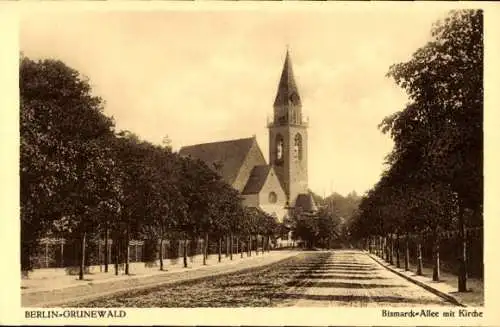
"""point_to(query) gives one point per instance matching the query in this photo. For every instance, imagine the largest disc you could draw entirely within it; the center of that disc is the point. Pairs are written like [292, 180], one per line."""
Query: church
[279, 187]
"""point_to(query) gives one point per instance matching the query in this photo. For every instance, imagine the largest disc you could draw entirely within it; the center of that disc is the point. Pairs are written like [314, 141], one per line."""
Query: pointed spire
[287, 88]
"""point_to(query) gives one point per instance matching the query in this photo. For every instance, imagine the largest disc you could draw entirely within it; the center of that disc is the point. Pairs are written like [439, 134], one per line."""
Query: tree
[62, 129]
[441, 127]
[305, 227]
[227, 209]
[270, 228]
[205, 195]
[328, 227]
[92, 189]
[164, 202]
[134, 160]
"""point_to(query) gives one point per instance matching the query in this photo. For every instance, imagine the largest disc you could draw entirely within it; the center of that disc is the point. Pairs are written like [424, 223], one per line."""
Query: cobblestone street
[310, 279]
[350, 278]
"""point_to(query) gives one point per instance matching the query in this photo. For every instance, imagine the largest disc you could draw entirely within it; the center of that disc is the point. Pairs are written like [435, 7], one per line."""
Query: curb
[431, 289]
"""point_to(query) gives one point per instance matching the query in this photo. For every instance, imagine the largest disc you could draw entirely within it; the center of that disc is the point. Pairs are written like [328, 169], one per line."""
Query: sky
[202, 76]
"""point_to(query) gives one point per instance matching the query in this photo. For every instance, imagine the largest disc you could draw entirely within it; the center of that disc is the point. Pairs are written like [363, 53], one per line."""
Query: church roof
[225, 157]
[287, 88]
[306, 202]
[257, 179]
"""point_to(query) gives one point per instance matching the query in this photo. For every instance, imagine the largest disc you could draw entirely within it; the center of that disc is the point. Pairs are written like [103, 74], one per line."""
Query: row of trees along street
[432, 187]
[80, 178]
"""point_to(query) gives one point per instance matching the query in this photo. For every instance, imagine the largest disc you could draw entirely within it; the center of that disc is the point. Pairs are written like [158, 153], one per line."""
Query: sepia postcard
[250, 163]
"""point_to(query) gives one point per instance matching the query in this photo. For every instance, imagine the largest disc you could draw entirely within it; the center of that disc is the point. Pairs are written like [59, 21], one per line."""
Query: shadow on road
[319, 273]
[248, 284]
[348, 263]
[350, 298]
[345, 285]
[349, 277]
[339, 266]
[327, 270]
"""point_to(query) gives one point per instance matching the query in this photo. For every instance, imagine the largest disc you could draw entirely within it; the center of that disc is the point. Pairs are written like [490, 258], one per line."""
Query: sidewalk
[447, 287]
[62, 290]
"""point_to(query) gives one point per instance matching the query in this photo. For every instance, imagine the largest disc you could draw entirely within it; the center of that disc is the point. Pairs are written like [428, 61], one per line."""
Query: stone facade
[274, 205]
[253, 158]
[291, 167]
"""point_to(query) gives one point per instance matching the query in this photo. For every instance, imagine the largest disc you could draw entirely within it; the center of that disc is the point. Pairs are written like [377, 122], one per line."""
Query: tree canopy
[81, 177]
[434, 173]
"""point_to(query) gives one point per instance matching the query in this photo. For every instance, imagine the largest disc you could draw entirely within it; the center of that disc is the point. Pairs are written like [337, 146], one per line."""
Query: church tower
[288, 136]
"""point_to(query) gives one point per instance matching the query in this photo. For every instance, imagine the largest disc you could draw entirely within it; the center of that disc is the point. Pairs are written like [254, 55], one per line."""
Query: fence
[61, 253]
[449, 250]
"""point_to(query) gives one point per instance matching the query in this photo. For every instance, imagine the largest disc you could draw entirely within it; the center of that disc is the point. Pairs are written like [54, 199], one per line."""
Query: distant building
[280, 186]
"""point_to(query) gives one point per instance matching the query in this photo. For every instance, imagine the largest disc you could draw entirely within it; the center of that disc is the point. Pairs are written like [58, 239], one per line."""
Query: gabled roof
[306, 202]
[287, 89]
[257, 179]
[226, 157]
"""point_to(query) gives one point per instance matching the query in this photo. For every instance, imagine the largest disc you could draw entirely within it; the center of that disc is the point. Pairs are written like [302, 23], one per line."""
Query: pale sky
[202, 76]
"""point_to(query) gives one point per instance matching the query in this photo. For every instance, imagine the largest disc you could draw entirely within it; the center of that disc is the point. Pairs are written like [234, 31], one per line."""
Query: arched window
[297, 147]
[273, 197]
[279, 147]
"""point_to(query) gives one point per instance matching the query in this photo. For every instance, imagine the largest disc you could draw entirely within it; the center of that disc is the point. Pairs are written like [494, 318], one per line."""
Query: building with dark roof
[277, 187]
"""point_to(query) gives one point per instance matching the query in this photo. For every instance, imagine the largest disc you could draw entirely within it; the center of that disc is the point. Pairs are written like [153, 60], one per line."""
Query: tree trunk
[387, 248]
[398, 248]
[62, 254]
[231, 246]
[127, 252]
[436, 271]
[462, 270]
[420, 265]
[268, 243]
[256, 238]
[116, 255]
[241, 248]
[379, 247]
[220, 249]
[391, 249]
[238, 245]
[82, 256]
[249, 245]
[205, 250]
[407, 252]
[99, 253]
[227, 245]
[262, 241]
[161, 252]
[184, 254]
[106, 249]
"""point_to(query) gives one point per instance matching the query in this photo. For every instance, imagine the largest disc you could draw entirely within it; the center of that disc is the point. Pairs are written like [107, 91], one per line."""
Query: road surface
[310, 279]
[351, 278]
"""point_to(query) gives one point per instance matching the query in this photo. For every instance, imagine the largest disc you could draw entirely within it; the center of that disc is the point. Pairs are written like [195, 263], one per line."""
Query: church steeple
[288, 136]
[287, 104]
[287, 88]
